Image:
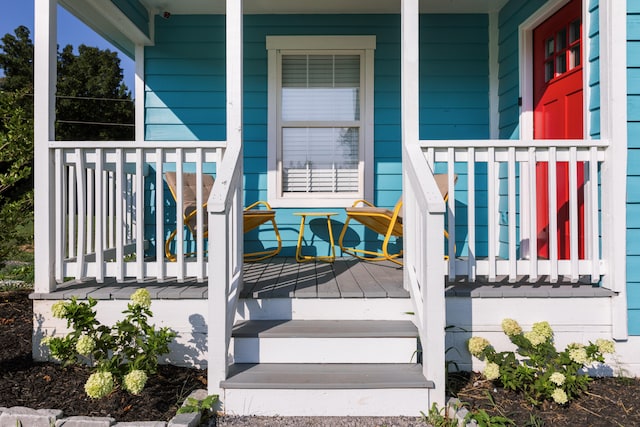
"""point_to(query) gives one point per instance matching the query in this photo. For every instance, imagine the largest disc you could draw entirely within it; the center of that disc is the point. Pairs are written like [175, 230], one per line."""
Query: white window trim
[275, 44]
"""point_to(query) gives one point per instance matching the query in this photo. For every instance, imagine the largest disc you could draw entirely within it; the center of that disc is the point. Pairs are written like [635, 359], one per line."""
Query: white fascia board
[110, 22]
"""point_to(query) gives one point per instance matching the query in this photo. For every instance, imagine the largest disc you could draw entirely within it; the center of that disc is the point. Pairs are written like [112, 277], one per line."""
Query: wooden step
[290, 389]
[325, 341]
[325, 329]
[327, 376]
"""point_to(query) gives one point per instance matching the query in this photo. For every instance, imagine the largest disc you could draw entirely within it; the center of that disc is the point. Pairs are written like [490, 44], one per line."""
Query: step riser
[358, 402]
[325, 309]
[325, 350]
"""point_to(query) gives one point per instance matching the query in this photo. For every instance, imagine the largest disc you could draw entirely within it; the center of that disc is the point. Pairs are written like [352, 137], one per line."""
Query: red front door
[558, 114]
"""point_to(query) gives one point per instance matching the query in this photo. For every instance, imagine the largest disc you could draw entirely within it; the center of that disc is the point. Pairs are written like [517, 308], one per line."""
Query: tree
[17, 63]
[93, 103]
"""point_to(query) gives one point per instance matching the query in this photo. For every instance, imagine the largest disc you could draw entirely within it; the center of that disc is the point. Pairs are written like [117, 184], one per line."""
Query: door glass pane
[549, 48]
[574, 31]
[574, 58]
[561, 40]
[561, 63]
[548, 71]
[320, 87]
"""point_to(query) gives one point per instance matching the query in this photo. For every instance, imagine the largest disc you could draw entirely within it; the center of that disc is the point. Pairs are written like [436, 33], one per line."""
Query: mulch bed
[608, 402]
[24, 382]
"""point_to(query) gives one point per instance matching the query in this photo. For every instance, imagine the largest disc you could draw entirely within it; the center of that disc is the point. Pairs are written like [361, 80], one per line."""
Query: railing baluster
[90, 208]
[160, 263]
[553, 216]
[111, 206]
[71, 210]
[573, 213]
[119, 219]
[100, 217]
[139, 212]
[533, 217]
[592, 214]
[471, 213]
[200, 218]
[61, 218]
[511, 200]
[81, 212]
[451, 213]
[492, 202]
[179, 216]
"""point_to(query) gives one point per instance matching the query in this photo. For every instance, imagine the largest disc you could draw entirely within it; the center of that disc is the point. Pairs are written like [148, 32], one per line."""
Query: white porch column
[434, 300]
[613, 127]
[45, 60]
[222, 257]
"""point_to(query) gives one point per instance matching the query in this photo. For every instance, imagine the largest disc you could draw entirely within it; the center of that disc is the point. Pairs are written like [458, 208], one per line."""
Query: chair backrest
[442, 180]
[189, 189]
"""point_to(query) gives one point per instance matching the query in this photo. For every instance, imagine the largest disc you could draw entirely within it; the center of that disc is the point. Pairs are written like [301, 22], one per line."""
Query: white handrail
[424, 269]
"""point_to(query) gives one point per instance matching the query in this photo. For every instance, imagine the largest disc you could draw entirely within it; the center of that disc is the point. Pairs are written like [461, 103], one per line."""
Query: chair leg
[366, 255]
[262, 255]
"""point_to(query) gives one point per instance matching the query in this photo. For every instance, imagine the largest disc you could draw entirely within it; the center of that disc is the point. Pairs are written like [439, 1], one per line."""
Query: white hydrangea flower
[578, 354]
[142, 298]
[99, 385]
[85, 345]
[491, 371]
[543, 329]
[535, 338]
[557, 378]
[477, 345]
[559, 396]
[511, 327]
[59, 310]
[605, 346]
[135, 381]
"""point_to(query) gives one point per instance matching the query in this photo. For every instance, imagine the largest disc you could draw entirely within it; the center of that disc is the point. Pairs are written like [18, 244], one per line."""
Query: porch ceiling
[326, 6]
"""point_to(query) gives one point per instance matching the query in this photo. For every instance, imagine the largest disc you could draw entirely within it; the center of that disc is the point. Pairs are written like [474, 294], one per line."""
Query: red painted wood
[558, 114]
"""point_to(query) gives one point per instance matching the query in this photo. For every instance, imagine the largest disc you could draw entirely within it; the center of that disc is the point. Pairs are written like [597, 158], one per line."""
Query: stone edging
[27, 417]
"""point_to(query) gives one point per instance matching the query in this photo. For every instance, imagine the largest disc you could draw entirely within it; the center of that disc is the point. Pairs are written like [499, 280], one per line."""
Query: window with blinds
[320, 123]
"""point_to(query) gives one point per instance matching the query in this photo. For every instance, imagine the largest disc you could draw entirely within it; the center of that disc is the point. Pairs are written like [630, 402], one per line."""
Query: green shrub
[124, 354]
[541, 372]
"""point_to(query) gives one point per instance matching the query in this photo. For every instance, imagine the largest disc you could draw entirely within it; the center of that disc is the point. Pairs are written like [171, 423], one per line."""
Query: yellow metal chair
[385, 222]
[253, 215]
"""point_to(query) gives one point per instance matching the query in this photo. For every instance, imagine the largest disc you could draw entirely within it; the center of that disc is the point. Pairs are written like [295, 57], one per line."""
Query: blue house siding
[454, 102]
[136, 12]
[633, 171]
[185, 92]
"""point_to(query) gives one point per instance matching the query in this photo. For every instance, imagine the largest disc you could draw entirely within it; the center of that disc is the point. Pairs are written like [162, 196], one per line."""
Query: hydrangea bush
[541, 372]
[124, 354]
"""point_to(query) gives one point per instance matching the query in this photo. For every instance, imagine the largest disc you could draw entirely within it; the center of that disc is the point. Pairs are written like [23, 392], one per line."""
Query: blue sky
[70, 31]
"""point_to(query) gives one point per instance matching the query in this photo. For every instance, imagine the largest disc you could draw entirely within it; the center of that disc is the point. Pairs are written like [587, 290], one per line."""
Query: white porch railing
[504, 174]
[424, 271]
[103, 197]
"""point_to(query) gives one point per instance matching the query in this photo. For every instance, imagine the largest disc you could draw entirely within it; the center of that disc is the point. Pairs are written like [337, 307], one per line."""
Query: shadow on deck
[274, 278]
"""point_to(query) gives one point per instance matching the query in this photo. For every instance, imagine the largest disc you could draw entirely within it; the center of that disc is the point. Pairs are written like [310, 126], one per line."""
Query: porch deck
[275, 278]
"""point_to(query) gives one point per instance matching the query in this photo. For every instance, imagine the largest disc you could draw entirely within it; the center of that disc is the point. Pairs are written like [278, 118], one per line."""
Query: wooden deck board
[326, 283]
[274, 278]
[386, 275]
[306, 286]
[369, 285]
[326, 376]
[348, 285]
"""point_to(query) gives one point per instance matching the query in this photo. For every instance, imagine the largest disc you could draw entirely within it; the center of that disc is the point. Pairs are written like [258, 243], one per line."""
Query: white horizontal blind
[320, 123]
